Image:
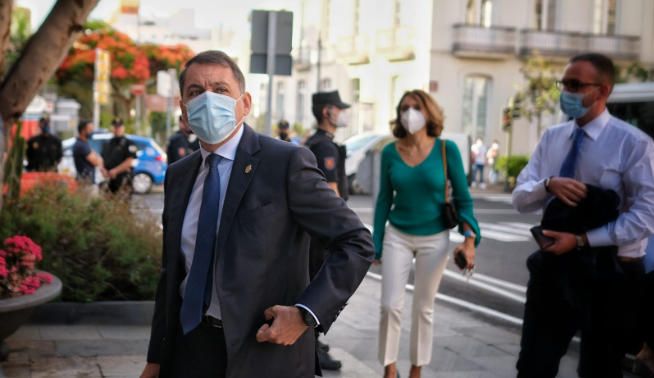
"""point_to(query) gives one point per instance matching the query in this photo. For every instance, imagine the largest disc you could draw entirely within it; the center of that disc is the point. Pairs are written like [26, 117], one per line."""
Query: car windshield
[355, 143]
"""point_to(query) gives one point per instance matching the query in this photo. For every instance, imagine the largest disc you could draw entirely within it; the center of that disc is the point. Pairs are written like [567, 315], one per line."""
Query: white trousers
[431, 254]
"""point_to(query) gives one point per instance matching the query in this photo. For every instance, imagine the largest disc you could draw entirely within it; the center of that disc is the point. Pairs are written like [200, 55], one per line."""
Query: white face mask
[413, 120]
[341, 119]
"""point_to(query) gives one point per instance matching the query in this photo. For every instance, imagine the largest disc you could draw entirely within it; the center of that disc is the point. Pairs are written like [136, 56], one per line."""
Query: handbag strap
[444, 159]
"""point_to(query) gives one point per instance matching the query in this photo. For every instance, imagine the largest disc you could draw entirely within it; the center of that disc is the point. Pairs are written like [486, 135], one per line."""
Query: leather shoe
[327, 362]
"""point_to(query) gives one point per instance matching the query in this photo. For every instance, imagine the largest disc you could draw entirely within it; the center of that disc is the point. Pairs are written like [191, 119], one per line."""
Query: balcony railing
[396, 44]
[474, 41]
[567, 44]
[353, 49]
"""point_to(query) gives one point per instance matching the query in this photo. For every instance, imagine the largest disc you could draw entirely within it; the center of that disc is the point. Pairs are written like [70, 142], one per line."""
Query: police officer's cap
[328, 98]
[117, 122]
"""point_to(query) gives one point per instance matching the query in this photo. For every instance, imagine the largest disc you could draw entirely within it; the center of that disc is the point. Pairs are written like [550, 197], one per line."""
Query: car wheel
[142, 183]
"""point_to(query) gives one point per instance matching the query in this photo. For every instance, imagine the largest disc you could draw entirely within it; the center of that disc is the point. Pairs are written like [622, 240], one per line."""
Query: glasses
[573, 85]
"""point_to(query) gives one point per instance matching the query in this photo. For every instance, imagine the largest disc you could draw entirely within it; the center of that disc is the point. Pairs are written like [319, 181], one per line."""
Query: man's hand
[150, 371]
[564, 242]
[286, 328]
[568, 190]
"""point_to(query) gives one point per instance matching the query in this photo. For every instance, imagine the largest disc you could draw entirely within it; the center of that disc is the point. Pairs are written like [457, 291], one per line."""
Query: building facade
[466, 53]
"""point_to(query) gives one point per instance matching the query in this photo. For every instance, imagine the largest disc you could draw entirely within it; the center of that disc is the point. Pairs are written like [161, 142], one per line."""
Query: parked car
[361, 170]
[149, 167]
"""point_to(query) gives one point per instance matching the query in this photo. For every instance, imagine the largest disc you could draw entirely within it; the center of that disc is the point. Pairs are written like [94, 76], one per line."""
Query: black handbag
[449, 214]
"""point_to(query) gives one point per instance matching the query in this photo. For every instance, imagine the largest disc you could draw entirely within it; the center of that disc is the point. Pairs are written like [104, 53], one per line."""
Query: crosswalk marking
[508, 232]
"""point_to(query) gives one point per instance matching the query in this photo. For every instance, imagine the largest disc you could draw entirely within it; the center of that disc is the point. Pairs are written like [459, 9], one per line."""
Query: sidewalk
[464, 345]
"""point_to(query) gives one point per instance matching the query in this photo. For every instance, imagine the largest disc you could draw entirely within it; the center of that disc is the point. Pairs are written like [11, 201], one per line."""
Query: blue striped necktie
[197, 295]
[568, 166]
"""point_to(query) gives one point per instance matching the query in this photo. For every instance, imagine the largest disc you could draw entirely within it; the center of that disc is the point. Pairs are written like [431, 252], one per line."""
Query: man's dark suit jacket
[276, 199]
[591, 265]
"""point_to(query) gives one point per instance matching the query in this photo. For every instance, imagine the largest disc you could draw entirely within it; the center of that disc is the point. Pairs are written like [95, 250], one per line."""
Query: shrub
[512, 165]
[95, 245]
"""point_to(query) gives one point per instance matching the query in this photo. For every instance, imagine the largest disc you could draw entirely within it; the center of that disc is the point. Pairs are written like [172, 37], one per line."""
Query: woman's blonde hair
[433, 114]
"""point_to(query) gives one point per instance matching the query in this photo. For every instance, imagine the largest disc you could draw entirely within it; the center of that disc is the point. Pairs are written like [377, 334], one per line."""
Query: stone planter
[16, 311]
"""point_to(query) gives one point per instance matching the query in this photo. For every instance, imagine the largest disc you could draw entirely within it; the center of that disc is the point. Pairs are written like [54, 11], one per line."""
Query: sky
[208, 14]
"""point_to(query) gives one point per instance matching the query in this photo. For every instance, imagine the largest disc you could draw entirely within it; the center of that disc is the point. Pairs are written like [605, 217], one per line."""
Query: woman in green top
[411, 198]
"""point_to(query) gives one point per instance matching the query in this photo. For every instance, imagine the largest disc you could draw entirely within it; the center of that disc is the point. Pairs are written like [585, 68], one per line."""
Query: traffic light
[507, 119]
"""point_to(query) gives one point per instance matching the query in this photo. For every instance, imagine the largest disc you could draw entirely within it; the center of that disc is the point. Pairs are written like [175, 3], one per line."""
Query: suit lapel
[243, 170]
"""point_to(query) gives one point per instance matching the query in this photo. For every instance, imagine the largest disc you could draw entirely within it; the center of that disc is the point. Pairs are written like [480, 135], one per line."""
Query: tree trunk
[39, 59]
[5, 31]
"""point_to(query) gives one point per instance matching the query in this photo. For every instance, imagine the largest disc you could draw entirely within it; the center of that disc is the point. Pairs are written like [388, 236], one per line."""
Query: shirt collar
[227, 150]
[327, 133]
[593, 128]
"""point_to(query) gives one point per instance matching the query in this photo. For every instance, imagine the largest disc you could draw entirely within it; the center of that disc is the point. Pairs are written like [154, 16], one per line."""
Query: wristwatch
[469, 234]
[309, 320]
[547, 184]
[581, 243]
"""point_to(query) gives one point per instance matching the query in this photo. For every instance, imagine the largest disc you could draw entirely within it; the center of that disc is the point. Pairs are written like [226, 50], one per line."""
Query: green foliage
[95, 245]
[634, 72]
[512, 165]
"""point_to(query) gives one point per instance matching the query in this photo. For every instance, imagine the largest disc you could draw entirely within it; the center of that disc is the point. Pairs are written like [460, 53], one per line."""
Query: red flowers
[18, 258]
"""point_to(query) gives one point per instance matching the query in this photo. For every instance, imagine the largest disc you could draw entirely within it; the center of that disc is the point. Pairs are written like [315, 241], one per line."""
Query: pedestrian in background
[329, 111]
[588, 280]
[478, 151]
[44, 151]
[491, 158]
[86, 160]
[118, 155]
[182, 143]
[411, 198]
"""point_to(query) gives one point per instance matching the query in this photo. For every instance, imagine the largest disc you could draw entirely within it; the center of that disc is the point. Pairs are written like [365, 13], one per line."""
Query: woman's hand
[376, 262]
[468, 249]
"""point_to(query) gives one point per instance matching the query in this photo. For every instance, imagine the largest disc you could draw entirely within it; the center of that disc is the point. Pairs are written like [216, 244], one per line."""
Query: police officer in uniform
[328, 109]
[182, 143]
[44, 150]
[118, 155]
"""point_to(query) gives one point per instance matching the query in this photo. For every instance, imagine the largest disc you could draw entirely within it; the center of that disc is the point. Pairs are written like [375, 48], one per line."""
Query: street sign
[281, 42]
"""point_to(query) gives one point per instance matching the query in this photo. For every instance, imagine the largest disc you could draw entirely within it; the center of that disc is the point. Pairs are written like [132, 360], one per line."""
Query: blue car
[149, 167]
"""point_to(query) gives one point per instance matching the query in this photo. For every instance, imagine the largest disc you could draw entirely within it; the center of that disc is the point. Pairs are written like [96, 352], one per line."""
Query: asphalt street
[497, 287]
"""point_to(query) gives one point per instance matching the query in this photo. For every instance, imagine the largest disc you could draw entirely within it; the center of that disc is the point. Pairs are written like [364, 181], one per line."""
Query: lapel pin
[248, 168]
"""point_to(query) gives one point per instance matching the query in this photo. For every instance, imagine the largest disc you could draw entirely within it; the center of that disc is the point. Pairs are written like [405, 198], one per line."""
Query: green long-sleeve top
[412, 198]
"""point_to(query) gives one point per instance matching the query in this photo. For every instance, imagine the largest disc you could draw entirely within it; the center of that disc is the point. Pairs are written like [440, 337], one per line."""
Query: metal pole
[270, 68]
[96, 91]
[319, 62]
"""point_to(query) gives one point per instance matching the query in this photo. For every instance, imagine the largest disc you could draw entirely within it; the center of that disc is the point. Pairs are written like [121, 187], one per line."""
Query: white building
[466, 53]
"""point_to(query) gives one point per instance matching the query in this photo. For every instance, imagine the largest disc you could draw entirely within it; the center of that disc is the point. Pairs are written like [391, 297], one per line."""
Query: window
[475, 105]
[325, 84]
[479, 12]
[299, 101]
[545, 14]
[279, 101]
[356, 89]
[604, 16]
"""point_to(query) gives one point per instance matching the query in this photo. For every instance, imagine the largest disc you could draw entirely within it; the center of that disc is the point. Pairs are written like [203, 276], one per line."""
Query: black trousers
[200, 354]
[581, 291]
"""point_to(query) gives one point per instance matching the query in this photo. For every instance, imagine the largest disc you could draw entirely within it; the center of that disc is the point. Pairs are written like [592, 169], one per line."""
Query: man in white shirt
[595, 149]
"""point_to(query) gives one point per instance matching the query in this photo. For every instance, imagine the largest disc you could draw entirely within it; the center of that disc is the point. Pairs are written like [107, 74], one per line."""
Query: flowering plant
[18, 257]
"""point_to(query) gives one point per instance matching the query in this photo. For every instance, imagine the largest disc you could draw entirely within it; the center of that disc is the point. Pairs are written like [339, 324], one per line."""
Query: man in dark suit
[234, 297]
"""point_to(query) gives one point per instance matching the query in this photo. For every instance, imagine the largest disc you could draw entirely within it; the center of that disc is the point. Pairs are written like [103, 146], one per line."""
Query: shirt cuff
[310, 312]
[599, 237]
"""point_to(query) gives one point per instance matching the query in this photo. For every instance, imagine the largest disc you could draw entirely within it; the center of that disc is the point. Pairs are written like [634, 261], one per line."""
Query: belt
[629, 260]
[212, 322]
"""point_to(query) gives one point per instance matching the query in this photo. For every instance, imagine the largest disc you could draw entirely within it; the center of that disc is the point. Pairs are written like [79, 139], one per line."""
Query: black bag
[450, 216]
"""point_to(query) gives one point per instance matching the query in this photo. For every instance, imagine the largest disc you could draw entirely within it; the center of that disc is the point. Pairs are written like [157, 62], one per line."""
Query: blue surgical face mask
[572, 104]
[212, 116]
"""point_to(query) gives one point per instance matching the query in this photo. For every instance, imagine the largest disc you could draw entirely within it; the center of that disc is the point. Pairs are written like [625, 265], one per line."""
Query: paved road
[498, 286]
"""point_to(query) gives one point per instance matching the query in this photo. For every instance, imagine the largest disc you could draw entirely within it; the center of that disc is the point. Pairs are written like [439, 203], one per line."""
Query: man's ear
[247, 103]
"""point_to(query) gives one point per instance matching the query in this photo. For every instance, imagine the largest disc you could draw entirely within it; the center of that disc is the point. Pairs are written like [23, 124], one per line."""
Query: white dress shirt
[613, 155]
[190, 227]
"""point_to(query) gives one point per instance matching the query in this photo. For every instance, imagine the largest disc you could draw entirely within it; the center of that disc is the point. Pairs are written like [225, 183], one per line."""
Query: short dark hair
[317, 111]
[433, 114]
[213, 57]
[81, 125]
[602, 63]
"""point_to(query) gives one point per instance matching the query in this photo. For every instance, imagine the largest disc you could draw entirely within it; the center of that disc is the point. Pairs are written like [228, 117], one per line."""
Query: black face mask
[283, 135]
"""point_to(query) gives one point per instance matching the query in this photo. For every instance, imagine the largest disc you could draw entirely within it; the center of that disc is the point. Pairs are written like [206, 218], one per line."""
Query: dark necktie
[197, 295]
[568, 166]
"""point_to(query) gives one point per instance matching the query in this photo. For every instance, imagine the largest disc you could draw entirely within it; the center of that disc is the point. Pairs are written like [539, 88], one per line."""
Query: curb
[109, 313]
